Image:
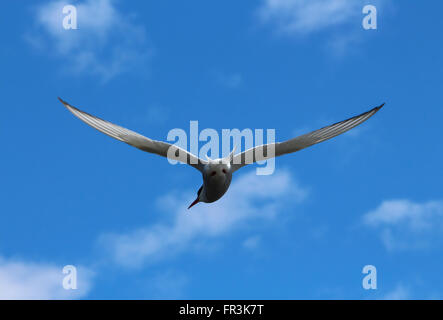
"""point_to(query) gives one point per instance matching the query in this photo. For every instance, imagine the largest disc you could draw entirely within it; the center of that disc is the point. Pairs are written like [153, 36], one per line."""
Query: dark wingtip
[67, 105]
[62, 101]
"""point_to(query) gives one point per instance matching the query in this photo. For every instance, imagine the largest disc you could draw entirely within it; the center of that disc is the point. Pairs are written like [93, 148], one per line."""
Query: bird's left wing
[268, 151]
[137, 140]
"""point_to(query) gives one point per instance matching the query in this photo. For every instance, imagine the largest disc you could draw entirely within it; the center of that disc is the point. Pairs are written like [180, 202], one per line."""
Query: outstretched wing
[137, 140]
[264, 152]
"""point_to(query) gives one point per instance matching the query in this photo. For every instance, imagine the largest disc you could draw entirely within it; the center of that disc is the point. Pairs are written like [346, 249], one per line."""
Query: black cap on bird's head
[198, 198]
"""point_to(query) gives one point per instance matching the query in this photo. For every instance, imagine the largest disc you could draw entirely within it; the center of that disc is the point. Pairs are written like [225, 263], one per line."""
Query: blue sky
[73, 196]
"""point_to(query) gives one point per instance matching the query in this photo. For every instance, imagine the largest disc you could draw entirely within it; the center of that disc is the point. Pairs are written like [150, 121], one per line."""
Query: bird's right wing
[137, 140]
[265, 152]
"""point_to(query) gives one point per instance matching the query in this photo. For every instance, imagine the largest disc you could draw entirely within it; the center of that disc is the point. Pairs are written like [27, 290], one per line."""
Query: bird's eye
[213, 173]
[224, 171]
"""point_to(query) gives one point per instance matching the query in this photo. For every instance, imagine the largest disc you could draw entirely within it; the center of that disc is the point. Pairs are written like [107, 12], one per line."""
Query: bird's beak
[195, 202]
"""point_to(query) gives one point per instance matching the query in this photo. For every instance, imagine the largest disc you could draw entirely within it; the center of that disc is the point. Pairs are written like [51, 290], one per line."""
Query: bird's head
[217, 170]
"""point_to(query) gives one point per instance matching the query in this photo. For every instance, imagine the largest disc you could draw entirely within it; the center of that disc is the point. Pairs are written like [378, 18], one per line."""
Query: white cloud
[28, 280]
[305, 16]
[251, 242]
[250, 198]
[341, 20]
[167, 285]
[154, 114]
[399, 293]
[105, 44]
[232, 80]
[404, 224]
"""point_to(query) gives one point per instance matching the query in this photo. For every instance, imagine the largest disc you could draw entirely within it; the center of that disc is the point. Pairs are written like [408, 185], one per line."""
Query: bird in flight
[217, 174]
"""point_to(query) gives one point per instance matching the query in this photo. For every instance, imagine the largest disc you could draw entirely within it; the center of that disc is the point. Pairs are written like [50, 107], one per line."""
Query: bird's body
[217, 174]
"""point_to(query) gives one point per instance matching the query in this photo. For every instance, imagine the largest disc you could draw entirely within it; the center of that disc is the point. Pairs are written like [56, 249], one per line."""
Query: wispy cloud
[251, 242]
[340, 19]
[250, 198]
[106, 43]
[168, 285]
[29, 280]
[153, 114]
[404, 224]
[230, 80]
[306, 16]
[400, 292]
